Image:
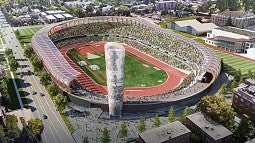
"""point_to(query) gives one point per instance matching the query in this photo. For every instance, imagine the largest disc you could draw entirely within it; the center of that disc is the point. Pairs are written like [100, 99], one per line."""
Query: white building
[59, 17]
[233, 39]
[50, 19]
[193, 27]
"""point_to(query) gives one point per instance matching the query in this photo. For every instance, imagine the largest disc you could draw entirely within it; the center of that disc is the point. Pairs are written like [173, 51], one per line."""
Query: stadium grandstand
[173, 49]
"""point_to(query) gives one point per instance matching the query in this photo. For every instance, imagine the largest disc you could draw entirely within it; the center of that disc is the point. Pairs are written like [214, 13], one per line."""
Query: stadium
[162, 68]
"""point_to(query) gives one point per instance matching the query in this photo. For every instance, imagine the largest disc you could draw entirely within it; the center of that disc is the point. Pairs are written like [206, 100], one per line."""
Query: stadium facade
[164, 45]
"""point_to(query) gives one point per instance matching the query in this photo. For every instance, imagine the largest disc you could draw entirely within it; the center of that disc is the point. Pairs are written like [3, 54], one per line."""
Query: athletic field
[25, 34]
[234, 62]
[137, 72]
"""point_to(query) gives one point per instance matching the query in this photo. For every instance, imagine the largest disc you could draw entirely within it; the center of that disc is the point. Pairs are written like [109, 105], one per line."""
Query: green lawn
[135, 73]
[68, 123]
[233, 63]
[3, 40]
[25, 35]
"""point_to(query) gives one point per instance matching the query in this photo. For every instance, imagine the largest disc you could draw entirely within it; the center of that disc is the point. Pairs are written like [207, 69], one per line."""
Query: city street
[55, 130]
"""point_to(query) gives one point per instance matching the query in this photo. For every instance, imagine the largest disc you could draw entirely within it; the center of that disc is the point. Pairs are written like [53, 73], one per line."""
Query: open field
[137, 71]
[25, 35]
[232, 63]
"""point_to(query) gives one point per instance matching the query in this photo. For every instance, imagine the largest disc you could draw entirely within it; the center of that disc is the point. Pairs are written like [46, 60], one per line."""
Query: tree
[222, 64]
[141, 125]
[184, 115]
[171, 116]
[123, 130]
[13, 130]
[156, 122]
[37, 64]
[234, 5]
[44, 78]
[13, 64]
[60, 102]
[247, 4]
[223, 89]
[218, 110]
[124, 10]
[238, 75]
[229, 22]
[85, 140]
[244, 131]
[11, 122]
[52, 89]
[8, 52]
[106, 137]
[26, 136]
[249, 74]
[233, 85]
[28, 51]
[35, 126]
[241, 80]
[79, 12]
[2, 133]
[222, 5]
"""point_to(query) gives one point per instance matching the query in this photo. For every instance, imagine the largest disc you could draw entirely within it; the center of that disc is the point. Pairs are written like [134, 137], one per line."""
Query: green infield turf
[233, 63]
[137, 72]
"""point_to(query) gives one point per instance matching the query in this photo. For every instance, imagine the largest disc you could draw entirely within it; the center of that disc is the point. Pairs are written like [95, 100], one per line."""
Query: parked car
[44, 116]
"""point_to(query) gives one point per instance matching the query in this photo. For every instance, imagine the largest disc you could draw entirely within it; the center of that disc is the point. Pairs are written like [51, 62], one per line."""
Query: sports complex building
[190, 68]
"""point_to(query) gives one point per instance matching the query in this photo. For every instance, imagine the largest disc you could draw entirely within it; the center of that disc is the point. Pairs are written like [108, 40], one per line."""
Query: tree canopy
[141, 125]
[123, 130]
[105, 137]
[60, 102]
[35, 126]
[156, 122]
[184, 115]
[171, 116]
[245, 130]
[218, 110]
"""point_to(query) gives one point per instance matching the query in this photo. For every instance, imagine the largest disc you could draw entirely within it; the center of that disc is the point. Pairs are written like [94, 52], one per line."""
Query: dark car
[41, 94]
[33, 92]
[44, 116]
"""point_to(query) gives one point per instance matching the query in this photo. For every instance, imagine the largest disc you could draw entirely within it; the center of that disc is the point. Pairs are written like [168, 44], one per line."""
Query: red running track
[174, 76]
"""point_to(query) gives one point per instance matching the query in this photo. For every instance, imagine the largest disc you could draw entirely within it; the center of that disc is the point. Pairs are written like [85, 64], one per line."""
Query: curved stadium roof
[56, 64]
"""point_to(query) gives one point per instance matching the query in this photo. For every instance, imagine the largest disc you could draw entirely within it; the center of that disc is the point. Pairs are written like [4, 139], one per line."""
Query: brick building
[244, 98]
[239, 19]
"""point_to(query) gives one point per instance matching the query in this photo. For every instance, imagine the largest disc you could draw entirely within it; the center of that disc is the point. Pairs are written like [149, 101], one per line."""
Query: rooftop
[247, 90]
[238, 14]
[237, 30]
[200, 27]
[50, 17]
[164, 133]
[210, 127]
